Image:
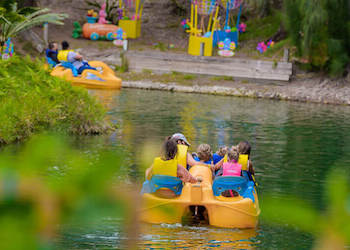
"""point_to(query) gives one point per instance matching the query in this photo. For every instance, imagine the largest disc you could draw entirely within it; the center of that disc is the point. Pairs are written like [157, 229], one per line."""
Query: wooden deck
[238, 68]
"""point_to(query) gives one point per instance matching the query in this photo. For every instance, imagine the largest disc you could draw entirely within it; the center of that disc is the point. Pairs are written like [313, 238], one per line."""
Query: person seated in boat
[232, 167]
[66, 55]
[204, 154]
[168, 164]
[220, 154]
[244, 149]
[52, 52]
[217, 169]
[184, 157]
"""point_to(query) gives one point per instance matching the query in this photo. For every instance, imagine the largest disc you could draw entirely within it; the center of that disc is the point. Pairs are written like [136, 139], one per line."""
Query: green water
[294, 145]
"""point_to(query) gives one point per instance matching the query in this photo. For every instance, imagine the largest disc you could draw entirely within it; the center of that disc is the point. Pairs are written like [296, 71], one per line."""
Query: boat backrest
[162, 181]
[51, 62]
[69, 65]
[241, 185]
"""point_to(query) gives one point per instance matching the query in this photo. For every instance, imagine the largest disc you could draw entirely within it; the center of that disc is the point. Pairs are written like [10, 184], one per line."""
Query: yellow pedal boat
[202, 199]
[92, 79]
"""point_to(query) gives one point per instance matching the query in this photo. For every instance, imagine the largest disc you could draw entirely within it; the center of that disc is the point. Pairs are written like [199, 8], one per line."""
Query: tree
[320, 31]
[14, 21]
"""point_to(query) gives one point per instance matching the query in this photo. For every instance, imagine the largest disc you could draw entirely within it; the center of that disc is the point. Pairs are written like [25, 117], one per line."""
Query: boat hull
[100, 80]
[226, 212]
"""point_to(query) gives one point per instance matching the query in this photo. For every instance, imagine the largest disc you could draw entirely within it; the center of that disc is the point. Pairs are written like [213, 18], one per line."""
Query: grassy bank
[32, 101]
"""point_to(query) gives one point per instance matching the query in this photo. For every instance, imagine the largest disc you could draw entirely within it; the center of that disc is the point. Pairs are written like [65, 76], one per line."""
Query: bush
[31, 100]
[320, 31]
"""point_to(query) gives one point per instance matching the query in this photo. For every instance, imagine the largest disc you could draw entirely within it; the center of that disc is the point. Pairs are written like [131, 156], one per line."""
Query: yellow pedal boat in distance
[104, 78]
[241, 211]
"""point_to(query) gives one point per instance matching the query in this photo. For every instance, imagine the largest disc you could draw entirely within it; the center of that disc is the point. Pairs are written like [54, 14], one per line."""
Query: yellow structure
[104, 79]
[227, 212]
[131, 27]
[194, 46]
[199, 45]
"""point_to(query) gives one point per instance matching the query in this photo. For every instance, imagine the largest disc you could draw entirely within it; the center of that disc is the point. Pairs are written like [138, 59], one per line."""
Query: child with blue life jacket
[168, 164]
[52, 52]
[205, 155]
[220, 154]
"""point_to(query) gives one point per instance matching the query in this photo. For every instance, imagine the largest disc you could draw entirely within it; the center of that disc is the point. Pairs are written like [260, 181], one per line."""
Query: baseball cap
[179, 136]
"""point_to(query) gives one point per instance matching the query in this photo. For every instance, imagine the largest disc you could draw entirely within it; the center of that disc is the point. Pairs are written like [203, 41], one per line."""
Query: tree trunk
[279, 35]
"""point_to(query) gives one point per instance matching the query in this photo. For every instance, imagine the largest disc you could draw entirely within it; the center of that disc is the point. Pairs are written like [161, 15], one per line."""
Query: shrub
[31, 100]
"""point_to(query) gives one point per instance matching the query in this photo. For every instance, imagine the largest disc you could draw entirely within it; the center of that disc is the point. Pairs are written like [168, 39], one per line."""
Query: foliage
[49, 184]
[31, 100]
[180, 7]
[261, 28]
[14, 20]
[319, 30]
[112, 8]
[264, 7]
[331, 227]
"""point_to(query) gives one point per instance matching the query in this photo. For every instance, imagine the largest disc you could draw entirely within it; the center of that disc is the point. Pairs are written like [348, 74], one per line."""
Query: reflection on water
[294, 145]
[178, 236]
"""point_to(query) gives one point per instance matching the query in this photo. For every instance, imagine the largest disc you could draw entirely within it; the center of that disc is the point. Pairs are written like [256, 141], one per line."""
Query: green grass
[277, 49]
[147, 71]
[174, 76]
[31, 100]
[261, 28]
[222, 78]
[189, 77]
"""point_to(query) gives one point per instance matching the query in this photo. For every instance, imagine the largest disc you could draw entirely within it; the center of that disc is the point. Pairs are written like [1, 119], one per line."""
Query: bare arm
[192, 162]
[78, 57]
[184, 175]
[219, 164]
[149, 173]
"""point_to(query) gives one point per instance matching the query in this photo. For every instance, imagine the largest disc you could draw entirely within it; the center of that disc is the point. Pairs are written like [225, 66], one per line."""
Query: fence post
[46, 33]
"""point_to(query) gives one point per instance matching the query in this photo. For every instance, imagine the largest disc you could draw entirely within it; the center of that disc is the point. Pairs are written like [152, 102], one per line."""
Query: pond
[294, 145]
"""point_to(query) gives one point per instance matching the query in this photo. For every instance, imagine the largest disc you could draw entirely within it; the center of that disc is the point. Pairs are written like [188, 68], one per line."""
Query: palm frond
[11, 29]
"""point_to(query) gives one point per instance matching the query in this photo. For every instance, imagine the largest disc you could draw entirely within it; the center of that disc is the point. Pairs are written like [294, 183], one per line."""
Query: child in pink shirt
[232, 167]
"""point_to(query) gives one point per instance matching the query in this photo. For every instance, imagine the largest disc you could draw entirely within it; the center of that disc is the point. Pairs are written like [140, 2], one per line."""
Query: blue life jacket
[49, 60]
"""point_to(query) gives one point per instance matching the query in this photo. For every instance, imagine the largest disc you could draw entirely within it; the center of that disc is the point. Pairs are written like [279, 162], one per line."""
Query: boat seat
[51, 62]
[70, 66]
[241, 185]
[162, 181]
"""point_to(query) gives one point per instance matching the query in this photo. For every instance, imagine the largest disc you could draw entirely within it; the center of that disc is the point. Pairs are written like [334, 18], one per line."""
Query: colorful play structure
[205, 29]
[201, 40]
[98, 28]
[131, 17]
[204, 38]
[7, 50]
